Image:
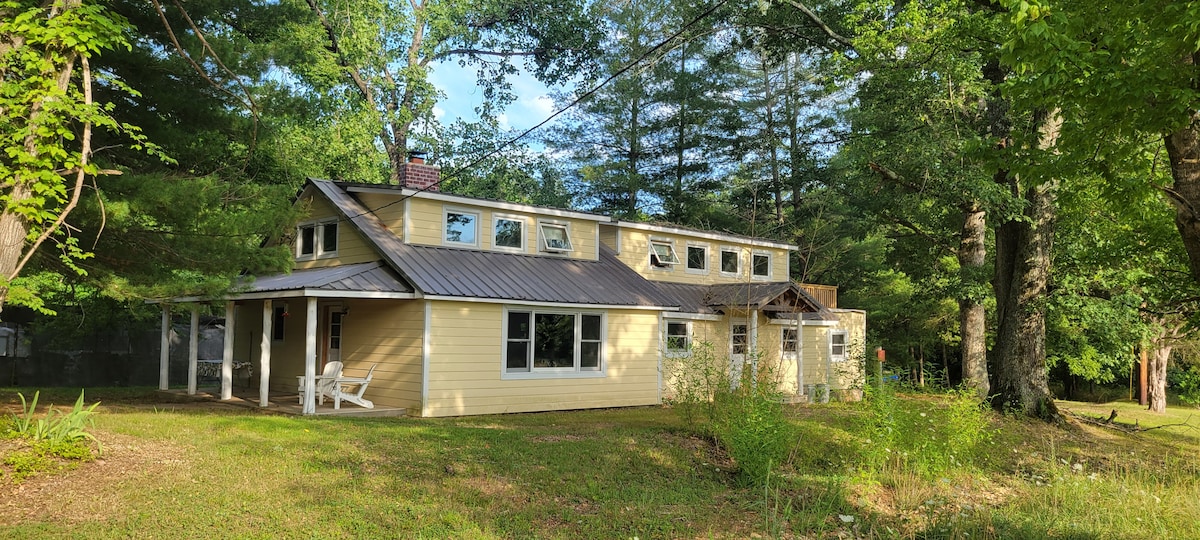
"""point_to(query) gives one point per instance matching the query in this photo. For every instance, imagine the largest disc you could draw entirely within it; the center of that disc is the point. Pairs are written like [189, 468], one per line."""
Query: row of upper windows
[663, 256]
[461, 228]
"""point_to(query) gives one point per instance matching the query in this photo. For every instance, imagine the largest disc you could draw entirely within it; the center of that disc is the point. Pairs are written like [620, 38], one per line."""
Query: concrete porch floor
[281, 403]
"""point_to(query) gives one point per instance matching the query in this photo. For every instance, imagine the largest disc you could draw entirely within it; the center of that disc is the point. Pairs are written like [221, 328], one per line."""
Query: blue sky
[533, 102]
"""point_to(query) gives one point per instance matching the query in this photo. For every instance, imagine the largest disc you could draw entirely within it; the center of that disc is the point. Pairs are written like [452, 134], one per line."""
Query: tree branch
[821, 24]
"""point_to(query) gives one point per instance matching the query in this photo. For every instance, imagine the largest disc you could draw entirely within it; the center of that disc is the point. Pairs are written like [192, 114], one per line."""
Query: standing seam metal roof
[467, 273]
[366, 277]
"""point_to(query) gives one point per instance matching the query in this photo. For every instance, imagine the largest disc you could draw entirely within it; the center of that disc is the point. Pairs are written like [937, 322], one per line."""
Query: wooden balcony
[825, 294]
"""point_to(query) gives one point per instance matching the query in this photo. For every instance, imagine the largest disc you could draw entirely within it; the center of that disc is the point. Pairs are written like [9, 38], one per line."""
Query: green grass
[196, 473]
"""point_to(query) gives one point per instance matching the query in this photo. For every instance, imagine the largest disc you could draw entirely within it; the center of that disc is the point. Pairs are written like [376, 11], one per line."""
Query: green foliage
[58, 430]
[1187, 384]
[746, 416]
[926, 437]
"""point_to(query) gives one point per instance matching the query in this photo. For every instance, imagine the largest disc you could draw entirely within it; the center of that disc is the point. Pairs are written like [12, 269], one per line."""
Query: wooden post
[880, 354]
[164, 354]
[227, 358]
[310, 357]
[264, 357]
[752, 349]
[193, 349]
[1143, 375]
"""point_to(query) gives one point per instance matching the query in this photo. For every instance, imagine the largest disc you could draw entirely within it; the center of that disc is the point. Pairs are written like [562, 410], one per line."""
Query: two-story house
[474, 306]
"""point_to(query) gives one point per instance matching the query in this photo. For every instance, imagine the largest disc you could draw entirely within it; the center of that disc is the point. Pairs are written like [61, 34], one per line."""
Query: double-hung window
[678, 338]
[552, 342]
[837, 346]
[789, 341]
[662, 254]
[316, 240]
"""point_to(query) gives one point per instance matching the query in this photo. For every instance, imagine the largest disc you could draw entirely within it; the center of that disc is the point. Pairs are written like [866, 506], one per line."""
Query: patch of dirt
[93, 490]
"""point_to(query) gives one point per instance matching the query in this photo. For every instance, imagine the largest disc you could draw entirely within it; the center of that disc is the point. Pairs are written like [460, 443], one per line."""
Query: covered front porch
[279, 358]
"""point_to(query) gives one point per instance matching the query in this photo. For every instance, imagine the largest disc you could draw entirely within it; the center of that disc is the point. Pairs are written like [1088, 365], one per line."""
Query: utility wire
[455, 172]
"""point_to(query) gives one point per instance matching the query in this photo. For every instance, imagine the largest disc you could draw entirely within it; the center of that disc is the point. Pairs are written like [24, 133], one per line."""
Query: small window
[729, 261]
[739, 338]
[837, 346]
[697, 258]
[329, 237]
[461, 227]
[789, 340]
[589, 343]
[678, 337]
[760, 265]
[316, 240]
[662, 254]
[308, 242]
[517, 351]
[277, 321]
[555, 237]
[510, 234]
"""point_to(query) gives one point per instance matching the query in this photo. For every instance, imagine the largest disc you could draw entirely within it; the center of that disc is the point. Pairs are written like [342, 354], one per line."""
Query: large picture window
[553, 342]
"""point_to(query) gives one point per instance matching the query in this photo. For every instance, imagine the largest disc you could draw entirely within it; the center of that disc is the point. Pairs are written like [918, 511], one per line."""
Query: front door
[739, 342]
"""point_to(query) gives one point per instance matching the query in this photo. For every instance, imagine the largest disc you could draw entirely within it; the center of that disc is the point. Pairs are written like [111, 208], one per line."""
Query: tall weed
[57, 429]
[925, 437]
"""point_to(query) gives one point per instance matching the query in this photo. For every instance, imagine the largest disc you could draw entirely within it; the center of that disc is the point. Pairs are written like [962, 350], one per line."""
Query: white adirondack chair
[340, 390]
[324, 381]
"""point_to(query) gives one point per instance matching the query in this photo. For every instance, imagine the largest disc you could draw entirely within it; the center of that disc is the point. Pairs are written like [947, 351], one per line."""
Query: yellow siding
[427, 218]
[635, 253]
[352, 247]
[388, 208]
[465, 372]
[383, 332]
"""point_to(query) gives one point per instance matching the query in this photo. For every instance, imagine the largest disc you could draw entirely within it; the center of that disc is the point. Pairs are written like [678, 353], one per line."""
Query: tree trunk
[1023, 255]
[972, 319]
[1183, 150]
[1157, 384]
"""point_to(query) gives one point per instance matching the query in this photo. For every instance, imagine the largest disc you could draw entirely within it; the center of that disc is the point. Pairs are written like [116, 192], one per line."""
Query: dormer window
[316, 240]
[760, 265]
[555, 238]
[662, 254]
[461, 228]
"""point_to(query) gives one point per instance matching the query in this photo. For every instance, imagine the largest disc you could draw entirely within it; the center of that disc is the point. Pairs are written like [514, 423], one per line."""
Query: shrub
[1187, 383]
[922, 437]
[57, 429]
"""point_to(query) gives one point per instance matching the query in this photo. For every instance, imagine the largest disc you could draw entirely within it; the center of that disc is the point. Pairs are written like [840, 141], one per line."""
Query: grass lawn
[182, 471]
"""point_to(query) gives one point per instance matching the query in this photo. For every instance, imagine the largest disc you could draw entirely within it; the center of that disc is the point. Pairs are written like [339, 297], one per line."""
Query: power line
[455, 172]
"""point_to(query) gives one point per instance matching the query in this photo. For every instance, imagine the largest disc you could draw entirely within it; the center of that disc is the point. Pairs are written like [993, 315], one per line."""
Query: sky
[533, 102]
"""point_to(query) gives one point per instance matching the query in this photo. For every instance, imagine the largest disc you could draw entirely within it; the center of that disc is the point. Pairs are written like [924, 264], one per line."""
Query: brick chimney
[416, 174]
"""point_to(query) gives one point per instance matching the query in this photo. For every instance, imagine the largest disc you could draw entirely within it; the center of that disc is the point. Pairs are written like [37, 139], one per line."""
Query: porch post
[310, 356]
[264, 358]
[227, 358]
[193, 348]
[800, 354]
[164, 353]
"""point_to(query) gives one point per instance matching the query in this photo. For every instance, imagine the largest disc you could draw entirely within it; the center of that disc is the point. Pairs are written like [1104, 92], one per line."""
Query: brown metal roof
[362, 277]
[467, 273]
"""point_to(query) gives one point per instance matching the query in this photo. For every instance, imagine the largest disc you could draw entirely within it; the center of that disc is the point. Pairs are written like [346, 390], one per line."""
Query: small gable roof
[468, 273]
[362, 277]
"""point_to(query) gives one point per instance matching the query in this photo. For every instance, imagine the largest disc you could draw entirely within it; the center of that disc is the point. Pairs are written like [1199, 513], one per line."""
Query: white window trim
[650, 254]
[707, 258]
[845, 346]
[446, 211]
[721, 266]
[687, 351]
[770, 264]
[541, 238]
[783, 351]
[524, 232]
[318, 226]
[554, 373]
